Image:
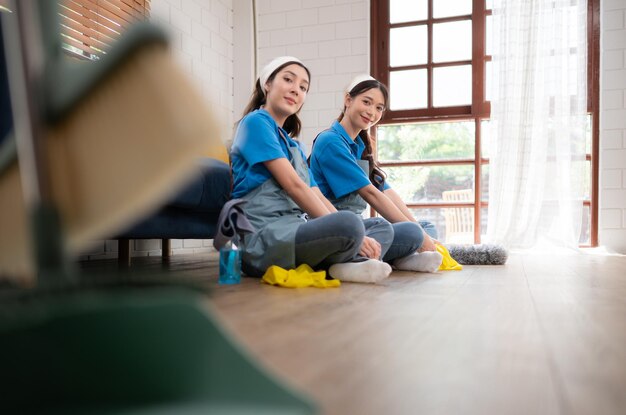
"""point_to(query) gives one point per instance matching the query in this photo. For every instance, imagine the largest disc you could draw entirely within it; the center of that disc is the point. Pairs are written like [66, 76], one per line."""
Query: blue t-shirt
[258, 140]
[334, 163]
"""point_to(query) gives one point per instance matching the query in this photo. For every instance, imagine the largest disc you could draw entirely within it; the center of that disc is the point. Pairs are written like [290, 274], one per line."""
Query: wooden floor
[544, 334]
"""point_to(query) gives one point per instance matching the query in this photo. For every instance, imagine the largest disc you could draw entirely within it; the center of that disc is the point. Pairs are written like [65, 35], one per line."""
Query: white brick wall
[612, 226]
[331, 37]
[201, 34]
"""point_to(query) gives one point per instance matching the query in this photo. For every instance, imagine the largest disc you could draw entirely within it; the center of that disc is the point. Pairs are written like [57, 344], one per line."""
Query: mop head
[483, 254]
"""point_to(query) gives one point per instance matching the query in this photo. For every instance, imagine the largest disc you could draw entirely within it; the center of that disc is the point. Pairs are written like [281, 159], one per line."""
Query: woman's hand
[370, 248]
[428, 244]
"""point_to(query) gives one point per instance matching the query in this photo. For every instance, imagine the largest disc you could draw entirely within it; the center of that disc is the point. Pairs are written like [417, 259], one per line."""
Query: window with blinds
[4, 6]
[88, 27]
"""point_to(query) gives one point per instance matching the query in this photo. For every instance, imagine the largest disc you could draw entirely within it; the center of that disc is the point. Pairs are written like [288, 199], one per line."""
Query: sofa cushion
[193, 212]
[175, 223]
[208, 191]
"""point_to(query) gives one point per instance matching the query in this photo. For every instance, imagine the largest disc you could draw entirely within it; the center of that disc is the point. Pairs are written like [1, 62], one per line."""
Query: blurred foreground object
[98, 145]
[112, 138]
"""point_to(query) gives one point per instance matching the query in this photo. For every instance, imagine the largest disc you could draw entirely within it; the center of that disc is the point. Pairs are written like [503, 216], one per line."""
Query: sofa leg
[166, 249]
[123, 249]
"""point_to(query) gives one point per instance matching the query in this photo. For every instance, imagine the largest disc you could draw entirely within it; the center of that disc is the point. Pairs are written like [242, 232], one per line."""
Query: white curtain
[539, 119]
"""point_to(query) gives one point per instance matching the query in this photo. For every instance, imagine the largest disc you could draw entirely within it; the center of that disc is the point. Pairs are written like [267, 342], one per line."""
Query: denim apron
[276, 218]
[353, 201]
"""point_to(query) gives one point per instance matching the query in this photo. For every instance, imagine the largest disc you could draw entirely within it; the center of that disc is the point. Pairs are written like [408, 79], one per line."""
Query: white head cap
[357, 80]
[267, 71]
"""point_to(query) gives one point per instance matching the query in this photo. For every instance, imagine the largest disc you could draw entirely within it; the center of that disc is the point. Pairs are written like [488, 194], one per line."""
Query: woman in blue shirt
[346, 173]
[271, 174]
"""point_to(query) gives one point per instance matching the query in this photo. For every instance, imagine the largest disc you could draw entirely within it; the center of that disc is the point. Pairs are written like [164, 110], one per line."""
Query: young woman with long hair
[347, 174]
[271, 174]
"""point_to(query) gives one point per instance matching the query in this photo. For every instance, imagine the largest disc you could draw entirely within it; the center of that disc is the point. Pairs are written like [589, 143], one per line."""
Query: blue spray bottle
[232, 227]
[230, 264]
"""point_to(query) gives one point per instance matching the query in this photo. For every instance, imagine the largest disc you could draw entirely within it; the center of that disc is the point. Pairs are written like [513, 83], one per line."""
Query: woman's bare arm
[325, 201]
[429, 243]
[284, 173]
[383, 204]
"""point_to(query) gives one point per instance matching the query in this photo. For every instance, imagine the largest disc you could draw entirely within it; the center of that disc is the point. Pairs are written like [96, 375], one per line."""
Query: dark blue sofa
[191, 214]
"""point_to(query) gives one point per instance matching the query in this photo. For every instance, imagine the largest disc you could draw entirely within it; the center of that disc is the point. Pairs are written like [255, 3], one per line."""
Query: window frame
[480, 109]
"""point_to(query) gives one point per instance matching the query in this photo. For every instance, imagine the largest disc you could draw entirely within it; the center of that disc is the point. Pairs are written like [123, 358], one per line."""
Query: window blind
[88, 27]
[4, 6]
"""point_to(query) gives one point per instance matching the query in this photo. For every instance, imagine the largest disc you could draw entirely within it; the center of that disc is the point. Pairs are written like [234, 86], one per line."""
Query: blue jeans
[408, 237]
[380, 230]
[337, 238]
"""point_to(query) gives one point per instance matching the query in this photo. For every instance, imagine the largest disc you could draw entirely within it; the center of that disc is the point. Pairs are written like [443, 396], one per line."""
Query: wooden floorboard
[544, 334]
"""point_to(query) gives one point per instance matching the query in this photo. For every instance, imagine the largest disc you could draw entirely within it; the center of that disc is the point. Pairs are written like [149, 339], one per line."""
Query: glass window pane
[446, 8]
[580, 177]
[488, 34]
[459, 225]
[408, 46]
[448, 231]
[557, 82]
[486, 138]
[452, 85]
[488, 83]
[407, 10]
[586, 180]
[436, 141]
[452, 41]
[574, 21]
[407, 89]
[484, 183]
[484, 220]
[576, 78]
[588, 134]
[585, 230]
[432, 183]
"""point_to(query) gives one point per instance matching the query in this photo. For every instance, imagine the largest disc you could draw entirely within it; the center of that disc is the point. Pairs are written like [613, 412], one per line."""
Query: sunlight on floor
[547, 247]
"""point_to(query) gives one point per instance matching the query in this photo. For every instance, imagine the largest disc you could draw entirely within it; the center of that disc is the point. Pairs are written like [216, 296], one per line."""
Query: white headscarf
[267, 71]
[357, 80]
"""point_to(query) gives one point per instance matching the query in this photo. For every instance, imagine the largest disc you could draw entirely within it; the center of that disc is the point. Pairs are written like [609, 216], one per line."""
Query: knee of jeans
[378, 222]
[381, 230]
[429, 228]
[350, 225]
[408, 234]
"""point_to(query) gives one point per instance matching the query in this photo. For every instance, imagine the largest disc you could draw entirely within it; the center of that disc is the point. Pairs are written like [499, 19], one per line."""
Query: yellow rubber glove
[303, 276]
[448, 263]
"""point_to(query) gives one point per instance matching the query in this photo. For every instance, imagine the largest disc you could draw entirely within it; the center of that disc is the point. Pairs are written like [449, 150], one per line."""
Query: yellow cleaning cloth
[448, 263]
[303, 276]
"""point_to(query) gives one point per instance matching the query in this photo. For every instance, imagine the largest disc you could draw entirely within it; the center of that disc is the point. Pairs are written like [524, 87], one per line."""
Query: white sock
[428, 261]
[370, 271]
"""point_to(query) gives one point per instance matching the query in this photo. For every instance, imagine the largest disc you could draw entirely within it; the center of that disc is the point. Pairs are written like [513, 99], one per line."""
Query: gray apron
[276, 218]
[353, 201]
